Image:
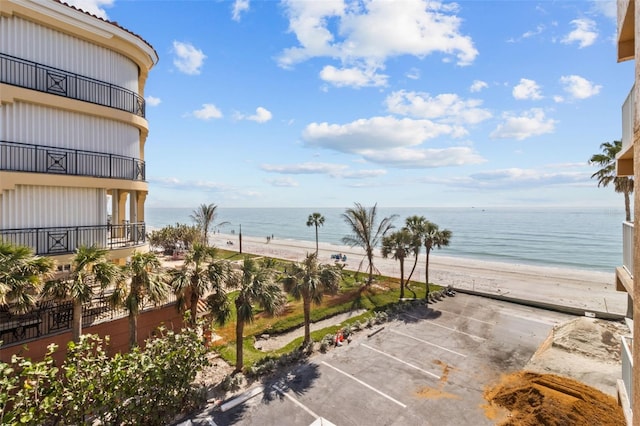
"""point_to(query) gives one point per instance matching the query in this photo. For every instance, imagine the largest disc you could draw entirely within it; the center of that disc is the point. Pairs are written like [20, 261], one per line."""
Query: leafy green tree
[201, 273]
[257, 287]
[366, 232]
[171, 237]
[91, 270]
[399, 245]
[432, 238]
[316, 220]
[22, 275]
[309, 281]
[607, 173]
[204, 217]
[146, 282]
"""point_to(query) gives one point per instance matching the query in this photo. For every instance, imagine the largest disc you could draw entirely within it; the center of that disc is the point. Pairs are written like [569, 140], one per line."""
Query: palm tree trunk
[239, 348]
[133, 330]
[426, 274]
[415, 263]
[316, 240]
[306, 305]
[370, 259]
[627, 206]
[194, 308]
[402, 279]
[77, 320]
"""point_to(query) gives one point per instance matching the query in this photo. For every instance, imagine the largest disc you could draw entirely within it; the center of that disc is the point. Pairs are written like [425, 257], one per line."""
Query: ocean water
[576, 238]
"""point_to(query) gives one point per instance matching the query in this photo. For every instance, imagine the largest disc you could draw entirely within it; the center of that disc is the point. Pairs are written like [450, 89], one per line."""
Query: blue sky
[323, 103]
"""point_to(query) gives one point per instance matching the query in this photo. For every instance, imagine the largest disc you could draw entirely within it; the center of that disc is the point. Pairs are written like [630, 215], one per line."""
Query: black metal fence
[55, 317]
[22, 157]
[66, 239]
[31, 75]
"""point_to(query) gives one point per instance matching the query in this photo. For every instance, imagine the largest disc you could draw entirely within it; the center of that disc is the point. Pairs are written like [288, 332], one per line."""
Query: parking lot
[430, 367]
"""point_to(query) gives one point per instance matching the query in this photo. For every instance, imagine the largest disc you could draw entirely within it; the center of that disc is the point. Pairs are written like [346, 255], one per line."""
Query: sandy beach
[588, 290]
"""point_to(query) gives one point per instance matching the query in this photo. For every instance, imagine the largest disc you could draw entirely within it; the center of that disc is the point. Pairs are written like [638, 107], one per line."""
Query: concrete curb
[241, 398]
[545, 305]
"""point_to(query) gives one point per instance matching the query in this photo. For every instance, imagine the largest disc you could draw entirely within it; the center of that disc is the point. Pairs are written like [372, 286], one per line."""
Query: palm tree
[200, 273]
[416, 225]
[146, 283]
[432, 238]
[607, 174]
[204, 217]
[366, 232]
[315, 219]
[309, 281]
[22, 275]
[257, 286]
[399, 245]
[90, 267]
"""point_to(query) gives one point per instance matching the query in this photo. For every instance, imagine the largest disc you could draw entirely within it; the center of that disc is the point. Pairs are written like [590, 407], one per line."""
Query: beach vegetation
[174, 238]
[91, 272]
[399, 245]
[202, 273]
[309, 281]
[366, 232]
[606, 175]
[316, 219]
[204, 217]
[22, 276]
[145, 282]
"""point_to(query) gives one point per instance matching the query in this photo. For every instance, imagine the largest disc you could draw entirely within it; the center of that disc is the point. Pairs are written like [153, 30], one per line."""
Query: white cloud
[283, 182]
[363, 35]
[424, 158]
[527, 89]
[584, 33]
[329, 169]
[239, 6]
[94, 7]
[539, 29]
[477, 86]
[606, 8]
[176, 183]
[207, 112]
[354, 77]
[413, 74]
[517, 178]
[447, 107]
[262, 115]
[579, 87]
[530, 123]
[153, 101]
[558, 99]
[188, 59]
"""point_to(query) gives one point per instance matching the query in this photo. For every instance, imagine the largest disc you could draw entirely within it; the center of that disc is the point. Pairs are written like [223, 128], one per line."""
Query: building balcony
[627, 368]
[66, 239]
[43, 78]
[626, 29]
[21, 157]
[624, 273]
[624, 159]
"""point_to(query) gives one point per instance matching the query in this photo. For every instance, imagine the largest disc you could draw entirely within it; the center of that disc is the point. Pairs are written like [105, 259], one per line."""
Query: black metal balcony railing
[66, 239]
[31, 75]
[21, 157]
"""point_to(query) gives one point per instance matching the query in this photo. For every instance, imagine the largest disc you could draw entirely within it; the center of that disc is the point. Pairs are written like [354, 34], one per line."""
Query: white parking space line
[401, 361]
[428, 343]
[473, 336]
[470, 318]
[295, 401]
[365, 384]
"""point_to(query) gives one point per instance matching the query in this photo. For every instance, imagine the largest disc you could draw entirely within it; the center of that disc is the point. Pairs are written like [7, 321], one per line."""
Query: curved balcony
[66, 239]
[21, 157]
[43, 78]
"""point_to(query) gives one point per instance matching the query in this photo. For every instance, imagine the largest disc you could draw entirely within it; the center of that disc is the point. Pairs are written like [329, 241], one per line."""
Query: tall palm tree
[315, 219]
[22, 275]
[257, 287]
[145, 282]
[91, 270]
[309, 281]
[399, 245]
[416, 225]
[200, 272]
[432, 238]
[366, 232]
[204, 217]
[607, 174]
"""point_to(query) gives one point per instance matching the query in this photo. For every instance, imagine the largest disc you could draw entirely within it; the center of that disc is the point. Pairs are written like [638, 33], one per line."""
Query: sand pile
[543, 399]
[585, 349]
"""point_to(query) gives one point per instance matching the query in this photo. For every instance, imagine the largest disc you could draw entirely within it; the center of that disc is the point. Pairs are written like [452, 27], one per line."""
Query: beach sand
[581, 289]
